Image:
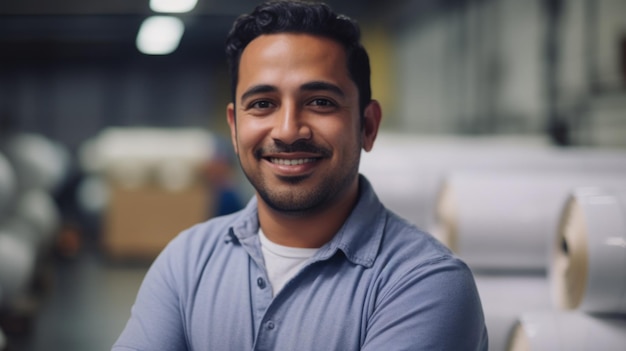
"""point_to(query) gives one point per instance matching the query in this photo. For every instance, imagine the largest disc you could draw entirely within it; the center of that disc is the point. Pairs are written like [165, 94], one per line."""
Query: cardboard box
[140, 221]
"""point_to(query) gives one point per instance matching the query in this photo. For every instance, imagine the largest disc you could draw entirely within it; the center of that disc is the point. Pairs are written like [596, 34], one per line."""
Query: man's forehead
[290, 62]
[286, 50]
[292, 40]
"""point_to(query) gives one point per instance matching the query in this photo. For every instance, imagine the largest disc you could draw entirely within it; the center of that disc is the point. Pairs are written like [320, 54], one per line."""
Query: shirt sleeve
[435, 306]
[156, 321]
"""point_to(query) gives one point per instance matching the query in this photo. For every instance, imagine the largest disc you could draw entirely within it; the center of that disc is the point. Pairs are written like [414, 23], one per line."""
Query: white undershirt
[282, 262]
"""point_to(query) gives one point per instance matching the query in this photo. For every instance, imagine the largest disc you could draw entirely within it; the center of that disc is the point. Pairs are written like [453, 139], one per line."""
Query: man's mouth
[299, 153]
[291, 162]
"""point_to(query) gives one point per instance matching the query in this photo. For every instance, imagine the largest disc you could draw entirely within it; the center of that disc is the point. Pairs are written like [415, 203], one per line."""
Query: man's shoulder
[407, 245]
[400, 231]
[401, 240]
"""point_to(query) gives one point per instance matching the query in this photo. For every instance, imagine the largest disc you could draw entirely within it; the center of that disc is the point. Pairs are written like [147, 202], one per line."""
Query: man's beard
[299, 202]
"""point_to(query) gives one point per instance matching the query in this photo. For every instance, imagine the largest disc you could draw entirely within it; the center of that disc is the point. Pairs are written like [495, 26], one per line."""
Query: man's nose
[290, 125]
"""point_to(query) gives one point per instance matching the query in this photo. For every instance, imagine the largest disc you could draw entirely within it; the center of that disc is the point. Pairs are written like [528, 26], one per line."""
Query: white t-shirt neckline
[282, 262]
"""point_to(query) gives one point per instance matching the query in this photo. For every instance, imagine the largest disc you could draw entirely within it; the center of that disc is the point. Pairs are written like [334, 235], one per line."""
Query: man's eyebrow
[258, 89]
[320, 85]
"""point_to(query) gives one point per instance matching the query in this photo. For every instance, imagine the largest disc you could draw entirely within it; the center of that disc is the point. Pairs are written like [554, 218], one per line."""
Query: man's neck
[311, 230]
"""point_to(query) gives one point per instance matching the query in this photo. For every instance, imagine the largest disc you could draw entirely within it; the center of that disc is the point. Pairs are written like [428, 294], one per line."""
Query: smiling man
[315, 261]
[297, 129]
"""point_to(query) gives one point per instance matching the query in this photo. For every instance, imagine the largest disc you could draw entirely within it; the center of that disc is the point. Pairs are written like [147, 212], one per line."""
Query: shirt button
[270, 325]
[261, 283]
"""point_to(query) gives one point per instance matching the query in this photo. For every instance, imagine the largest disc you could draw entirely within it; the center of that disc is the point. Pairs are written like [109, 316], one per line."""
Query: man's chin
[291, 205]
[292, 179]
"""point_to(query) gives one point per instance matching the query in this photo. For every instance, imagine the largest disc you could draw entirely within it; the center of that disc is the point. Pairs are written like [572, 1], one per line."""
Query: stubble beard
[299, 201]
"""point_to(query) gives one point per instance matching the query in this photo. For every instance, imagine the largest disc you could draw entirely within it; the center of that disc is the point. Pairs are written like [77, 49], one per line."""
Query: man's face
[296, 127]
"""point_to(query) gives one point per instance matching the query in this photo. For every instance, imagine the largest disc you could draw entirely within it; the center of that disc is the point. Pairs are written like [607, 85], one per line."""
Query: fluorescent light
[172, 6]
[159, 35]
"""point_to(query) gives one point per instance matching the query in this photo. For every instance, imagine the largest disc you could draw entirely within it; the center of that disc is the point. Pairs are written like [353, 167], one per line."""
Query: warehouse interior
[504, 127]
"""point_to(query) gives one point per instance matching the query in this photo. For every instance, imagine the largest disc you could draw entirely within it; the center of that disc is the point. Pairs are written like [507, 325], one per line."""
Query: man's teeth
[291, 162]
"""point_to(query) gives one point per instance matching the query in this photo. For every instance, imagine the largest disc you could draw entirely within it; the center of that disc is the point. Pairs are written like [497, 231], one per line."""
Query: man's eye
[262, 104]
[322, 103]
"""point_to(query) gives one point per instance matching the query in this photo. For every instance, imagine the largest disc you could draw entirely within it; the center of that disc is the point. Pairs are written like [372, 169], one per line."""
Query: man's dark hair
[301, 17]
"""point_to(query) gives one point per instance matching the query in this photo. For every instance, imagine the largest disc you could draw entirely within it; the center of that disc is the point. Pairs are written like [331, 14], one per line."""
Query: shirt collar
[359, 238]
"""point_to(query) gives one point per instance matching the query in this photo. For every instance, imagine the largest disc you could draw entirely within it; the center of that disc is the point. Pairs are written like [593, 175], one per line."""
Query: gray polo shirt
[379, 284]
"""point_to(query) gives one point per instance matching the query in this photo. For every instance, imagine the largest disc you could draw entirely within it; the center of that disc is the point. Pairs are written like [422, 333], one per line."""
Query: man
[315, 261]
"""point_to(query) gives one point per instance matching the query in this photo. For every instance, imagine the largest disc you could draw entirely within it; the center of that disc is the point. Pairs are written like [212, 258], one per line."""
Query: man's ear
[371, 123]
[230, 118]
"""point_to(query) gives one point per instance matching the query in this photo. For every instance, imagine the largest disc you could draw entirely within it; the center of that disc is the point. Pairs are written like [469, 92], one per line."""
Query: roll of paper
[568, 331]
[39, 162]
[18, 256]
[407, 170]
[588, 268]
[506, 220]
[38, 209]
[505, 298]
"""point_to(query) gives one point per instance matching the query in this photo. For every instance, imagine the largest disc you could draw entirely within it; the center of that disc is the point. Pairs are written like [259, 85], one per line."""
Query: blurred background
[498, 114]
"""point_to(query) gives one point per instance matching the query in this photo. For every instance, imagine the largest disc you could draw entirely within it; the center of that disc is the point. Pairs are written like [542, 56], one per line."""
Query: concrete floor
[86, 308]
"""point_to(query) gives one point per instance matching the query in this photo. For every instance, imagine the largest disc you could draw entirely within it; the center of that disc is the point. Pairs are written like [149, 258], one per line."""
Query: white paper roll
[17, 260]
[137, 157]
[177, 175]
[407, 170]
[39, 163]
[505, 298]
[588, 268]
[38, 209]
[568, 331]
[506, 220]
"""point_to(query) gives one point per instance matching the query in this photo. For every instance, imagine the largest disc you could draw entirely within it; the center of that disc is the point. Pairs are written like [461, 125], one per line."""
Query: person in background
[314, 261]
[220, 175]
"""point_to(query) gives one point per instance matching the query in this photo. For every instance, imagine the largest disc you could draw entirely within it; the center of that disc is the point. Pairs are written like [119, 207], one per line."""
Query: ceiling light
[159, 35]
[172, 6]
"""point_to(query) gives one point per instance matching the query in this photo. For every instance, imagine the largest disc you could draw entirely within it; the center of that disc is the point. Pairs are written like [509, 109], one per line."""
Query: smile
[291, 162]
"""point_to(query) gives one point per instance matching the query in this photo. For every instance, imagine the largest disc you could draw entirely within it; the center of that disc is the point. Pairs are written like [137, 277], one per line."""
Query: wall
[71, 101]
[521, 67]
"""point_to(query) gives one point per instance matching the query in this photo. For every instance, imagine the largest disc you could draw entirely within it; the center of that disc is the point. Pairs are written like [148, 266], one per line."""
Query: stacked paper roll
[587, 278]
[40, 168]
[17, 259]
[407, 170]
[38, 162]
[38, 209]
[505, 220]
[137, 157]
[588, 268]
[568, 331]
[505, 298]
